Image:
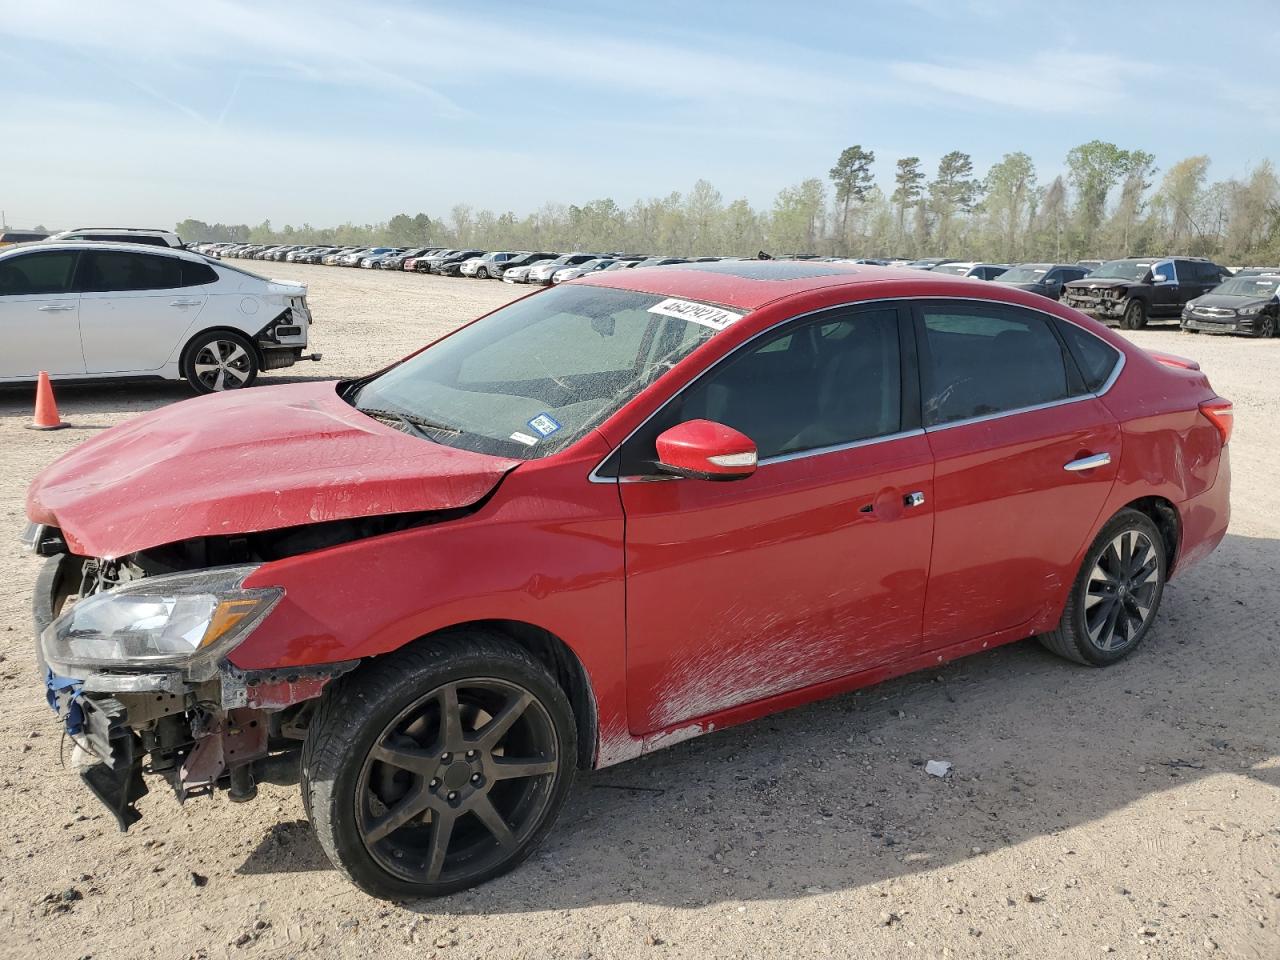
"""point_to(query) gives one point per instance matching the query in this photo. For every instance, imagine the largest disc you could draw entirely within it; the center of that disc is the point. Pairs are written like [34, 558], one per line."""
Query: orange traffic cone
[46, 417]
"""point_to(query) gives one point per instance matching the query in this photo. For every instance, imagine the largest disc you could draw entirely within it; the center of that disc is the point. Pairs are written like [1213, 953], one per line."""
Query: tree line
[1110, 202]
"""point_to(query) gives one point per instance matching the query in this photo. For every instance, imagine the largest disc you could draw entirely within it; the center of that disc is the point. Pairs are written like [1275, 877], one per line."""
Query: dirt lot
[1133, 811]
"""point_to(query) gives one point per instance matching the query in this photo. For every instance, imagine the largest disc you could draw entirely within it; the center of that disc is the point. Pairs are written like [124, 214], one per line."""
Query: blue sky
[323, 112]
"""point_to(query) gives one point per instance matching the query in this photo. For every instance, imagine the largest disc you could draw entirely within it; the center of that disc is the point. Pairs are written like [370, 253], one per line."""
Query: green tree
[798, 217]
[853, 181]
[1121, 235]
[1010, 192]
[1177, 205]
[704, 208]
[1093, 169]
[1254, 210]
[908, 189]
[953, 192]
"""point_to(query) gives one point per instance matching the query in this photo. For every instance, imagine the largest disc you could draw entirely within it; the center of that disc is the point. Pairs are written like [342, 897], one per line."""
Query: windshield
[535, 376]
[1123, 270]
[1024, 274]
[1260, 287]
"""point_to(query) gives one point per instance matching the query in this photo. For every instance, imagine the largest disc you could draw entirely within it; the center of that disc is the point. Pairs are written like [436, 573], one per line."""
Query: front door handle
[56, 307]
[913, 499]
[1088, 463]
[185, 303]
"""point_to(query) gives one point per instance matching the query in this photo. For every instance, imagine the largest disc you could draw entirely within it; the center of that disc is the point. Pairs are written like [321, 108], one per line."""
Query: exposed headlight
[1250, 311]
[187, 621]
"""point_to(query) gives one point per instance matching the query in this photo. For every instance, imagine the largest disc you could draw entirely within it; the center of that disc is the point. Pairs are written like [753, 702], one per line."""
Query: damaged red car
[600, 520]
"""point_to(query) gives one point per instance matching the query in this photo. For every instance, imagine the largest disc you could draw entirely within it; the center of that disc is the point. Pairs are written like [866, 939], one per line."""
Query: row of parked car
[513, 266]
[1202, 295]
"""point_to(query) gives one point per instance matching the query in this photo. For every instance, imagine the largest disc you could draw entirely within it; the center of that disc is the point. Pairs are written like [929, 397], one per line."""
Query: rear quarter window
[197, 274]
[1096, 358]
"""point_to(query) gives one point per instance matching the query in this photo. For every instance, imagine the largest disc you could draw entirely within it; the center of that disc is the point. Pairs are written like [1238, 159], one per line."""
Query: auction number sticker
[544, 425]
[717, 318]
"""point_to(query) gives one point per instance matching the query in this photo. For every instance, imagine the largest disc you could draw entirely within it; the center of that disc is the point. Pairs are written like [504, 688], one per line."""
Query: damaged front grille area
[225, 732]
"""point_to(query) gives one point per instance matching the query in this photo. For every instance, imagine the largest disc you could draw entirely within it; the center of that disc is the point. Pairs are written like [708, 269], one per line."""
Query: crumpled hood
[246, 461]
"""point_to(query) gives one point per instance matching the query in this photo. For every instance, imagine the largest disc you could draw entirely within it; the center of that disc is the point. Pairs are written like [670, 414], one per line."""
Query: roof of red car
[750, 284]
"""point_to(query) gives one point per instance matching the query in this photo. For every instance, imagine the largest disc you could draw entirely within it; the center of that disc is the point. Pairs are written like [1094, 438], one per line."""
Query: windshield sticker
[544, 425]
[717, 318]
[524, 438]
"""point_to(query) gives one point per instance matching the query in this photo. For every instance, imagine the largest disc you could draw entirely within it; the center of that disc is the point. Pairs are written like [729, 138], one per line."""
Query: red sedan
[603, 519]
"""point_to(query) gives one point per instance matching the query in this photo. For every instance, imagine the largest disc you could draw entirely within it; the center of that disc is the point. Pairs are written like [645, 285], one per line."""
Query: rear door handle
[185, 302]
[1088, 463]
[914, 499]
[56, 307]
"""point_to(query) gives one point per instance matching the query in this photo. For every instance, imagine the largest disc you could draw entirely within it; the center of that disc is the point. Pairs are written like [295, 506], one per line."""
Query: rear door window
[112, 271]
[37, 273]
[985, 359]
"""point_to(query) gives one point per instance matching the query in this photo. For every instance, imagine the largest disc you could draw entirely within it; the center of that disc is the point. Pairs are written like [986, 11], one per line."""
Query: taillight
[1220, 413]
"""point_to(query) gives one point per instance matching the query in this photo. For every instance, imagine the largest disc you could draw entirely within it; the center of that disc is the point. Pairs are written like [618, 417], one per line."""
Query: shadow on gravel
[835, 796]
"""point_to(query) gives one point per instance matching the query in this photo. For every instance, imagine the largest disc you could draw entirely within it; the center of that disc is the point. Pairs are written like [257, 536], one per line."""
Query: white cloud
[384, 46]
[1049, 82]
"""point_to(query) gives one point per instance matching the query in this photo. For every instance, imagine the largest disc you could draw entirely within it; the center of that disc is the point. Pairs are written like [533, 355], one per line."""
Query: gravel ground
[1133, 811]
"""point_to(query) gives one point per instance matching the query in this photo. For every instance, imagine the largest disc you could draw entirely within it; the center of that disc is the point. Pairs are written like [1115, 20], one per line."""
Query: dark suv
[1131, 291]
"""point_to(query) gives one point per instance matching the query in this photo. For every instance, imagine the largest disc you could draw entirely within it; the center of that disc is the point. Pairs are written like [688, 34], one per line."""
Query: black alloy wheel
[440, 766]
[1116, 594]
[457, 781]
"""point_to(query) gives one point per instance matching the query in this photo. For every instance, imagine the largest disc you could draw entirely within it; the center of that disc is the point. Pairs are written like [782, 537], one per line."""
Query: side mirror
[1158, 278]
[705, 450]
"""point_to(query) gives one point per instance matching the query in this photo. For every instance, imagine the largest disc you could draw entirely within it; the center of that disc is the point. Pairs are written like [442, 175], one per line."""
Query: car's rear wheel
[219, 360]
[1116, 594]
[1135, 315]
[439, 767]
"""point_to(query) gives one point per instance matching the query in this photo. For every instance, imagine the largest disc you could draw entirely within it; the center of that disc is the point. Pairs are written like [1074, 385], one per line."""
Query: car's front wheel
[438, 767]
[482, 273]
[1116, 594]
[1135, 315]
[219, 360]
[1266, 327]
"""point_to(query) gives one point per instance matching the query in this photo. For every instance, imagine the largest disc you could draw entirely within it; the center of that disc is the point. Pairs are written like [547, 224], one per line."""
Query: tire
[1135, 315]
[1266, 327]
[1088, 632]
[379, 822]
[219, 360]
[482, 273]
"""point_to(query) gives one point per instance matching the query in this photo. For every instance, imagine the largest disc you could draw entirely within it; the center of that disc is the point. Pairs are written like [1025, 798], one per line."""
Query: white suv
[153, 238]
[95, 310]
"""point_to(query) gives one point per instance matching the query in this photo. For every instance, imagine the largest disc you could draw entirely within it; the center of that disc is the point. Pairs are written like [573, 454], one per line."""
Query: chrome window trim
[594, 475]
[836, 448]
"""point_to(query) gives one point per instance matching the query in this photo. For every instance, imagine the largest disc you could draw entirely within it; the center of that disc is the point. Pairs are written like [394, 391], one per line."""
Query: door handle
[55, 307]
[913, 499]
[1088, 463]
[185, 302]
